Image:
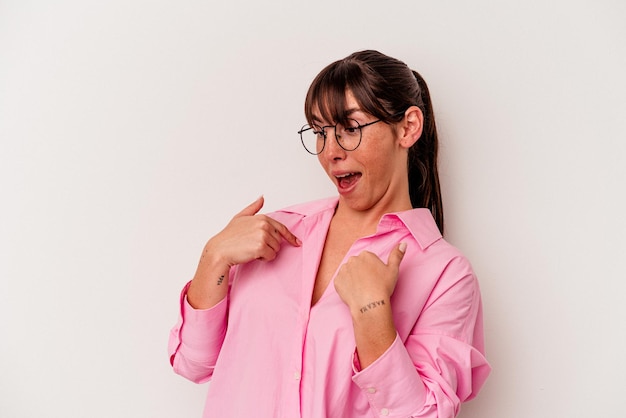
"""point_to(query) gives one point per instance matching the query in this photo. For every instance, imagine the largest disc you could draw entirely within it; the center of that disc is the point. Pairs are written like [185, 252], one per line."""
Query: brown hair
[384, 87]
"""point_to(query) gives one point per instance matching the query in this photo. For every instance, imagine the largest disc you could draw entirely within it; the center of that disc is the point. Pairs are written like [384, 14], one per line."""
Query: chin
[355, 204]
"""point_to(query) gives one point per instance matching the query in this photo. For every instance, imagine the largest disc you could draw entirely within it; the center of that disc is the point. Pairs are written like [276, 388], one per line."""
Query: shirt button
[296, 375]
[384, 412]
[371, 390]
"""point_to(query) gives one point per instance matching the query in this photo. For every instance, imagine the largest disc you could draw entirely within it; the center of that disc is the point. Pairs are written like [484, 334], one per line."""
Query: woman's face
[373, 176]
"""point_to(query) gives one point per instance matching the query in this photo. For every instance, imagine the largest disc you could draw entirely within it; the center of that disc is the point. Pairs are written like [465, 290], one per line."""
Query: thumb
[397, 255]
[252, 208]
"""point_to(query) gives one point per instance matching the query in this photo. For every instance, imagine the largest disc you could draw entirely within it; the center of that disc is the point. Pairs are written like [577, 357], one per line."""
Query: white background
[132, 130]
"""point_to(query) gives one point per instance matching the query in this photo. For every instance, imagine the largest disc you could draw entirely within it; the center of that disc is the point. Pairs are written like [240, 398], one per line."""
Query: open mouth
[346, 180]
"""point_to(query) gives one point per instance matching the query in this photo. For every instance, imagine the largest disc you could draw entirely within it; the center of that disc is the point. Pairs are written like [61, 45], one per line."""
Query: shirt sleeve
[195, 341]
[441, 363]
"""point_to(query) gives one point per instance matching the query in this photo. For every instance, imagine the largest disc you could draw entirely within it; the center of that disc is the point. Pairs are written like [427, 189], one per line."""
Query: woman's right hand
[247, 237]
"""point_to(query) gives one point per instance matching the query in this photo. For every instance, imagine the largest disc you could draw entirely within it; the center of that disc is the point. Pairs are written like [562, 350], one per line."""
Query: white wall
[131, 131]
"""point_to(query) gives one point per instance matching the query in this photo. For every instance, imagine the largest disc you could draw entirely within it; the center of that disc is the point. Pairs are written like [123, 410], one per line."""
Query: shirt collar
[419, 222]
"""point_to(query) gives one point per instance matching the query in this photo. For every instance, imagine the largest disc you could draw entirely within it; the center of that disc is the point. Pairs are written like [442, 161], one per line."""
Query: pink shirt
[268, 353]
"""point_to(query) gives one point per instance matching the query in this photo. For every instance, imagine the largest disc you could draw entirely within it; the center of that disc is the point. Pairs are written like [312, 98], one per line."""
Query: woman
[352, 306]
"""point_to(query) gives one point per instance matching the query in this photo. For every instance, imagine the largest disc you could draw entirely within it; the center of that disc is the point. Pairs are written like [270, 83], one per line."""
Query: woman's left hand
[365, 282]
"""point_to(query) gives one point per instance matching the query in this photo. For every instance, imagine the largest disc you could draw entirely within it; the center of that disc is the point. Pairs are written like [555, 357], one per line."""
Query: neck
[366, 221]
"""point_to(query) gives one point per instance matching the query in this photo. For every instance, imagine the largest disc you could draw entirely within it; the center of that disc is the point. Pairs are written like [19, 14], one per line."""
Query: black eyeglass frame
[360, 127]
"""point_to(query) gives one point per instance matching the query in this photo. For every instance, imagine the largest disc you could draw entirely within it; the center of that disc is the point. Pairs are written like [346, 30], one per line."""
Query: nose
[332, 150]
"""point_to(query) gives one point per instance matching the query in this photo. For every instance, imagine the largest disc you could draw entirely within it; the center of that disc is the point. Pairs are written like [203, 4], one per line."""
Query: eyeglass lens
[347, 135]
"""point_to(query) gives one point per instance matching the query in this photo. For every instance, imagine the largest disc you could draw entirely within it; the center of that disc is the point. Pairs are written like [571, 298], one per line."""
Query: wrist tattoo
[372, 305]
[220, 280]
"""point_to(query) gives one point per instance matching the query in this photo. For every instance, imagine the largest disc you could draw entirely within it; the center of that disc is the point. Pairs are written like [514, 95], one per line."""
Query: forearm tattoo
[220, 280]
[372, 305]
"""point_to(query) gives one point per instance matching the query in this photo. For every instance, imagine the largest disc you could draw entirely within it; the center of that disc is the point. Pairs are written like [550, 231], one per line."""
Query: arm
[196, 340]
[440, 363]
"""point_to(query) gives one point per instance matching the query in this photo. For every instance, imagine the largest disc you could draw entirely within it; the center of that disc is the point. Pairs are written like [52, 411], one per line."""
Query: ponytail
[424, 186]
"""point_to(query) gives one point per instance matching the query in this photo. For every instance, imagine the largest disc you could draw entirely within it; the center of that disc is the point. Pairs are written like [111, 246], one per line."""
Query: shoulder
[431, 248]
[297, 212]
[312, 207]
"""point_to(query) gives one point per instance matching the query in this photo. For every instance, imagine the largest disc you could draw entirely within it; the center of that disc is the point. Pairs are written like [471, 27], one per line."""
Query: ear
[410, 128]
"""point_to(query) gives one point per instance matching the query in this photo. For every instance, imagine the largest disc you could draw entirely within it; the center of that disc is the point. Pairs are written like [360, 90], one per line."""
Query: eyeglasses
[348, 135]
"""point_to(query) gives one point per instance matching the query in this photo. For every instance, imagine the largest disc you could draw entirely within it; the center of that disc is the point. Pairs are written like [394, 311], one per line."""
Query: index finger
[285, 233]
